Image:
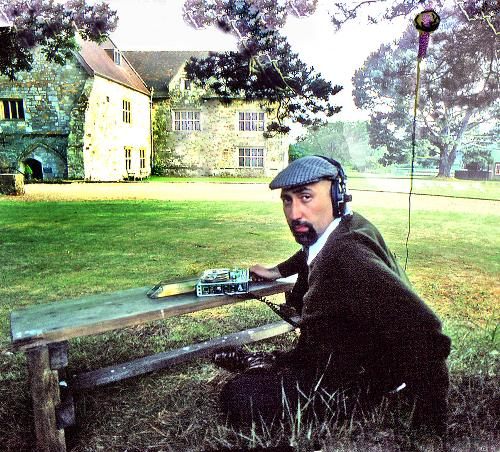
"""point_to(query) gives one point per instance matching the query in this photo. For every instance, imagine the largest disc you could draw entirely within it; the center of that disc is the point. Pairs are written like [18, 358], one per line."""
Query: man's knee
[430, 392]
[252, 397]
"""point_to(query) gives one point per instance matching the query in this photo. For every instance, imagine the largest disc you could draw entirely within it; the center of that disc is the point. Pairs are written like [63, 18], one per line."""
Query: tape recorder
[223, 281]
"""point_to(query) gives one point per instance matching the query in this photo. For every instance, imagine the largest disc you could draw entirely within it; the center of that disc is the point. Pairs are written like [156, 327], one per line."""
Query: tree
[484, 11]
[459, 92]
[265, 67]
[50, 25]
[345, 141]
[327, 140]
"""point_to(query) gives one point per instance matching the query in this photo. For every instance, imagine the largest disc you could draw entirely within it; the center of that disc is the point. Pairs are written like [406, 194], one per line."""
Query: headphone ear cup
[336, 198]
[333, 197]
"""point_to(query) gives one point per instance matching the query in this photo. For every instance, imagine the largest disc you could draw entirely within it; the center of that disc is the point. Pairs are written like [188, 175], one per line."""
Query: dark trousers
[274, 396]
[427, 395]
[281, 396]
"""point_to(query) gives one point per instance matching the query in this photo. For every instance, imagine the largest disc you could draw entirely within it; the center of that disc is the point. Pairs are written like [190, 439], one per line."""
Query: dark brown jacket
[360, 314]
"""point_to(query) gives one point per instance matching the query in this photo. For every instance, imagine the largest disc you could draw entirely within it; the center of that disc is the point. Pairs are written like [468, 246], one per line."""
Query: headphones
[339, 194]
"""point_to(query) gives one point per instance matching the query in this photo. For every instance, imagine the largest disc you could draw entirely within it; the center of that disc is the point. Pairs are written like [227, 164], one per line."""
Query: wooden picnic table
[43, 331]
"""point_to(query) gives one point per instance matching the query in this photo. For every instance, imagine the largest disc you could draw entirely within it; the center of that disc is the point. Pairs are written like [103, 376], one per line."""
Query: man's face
[308, 210]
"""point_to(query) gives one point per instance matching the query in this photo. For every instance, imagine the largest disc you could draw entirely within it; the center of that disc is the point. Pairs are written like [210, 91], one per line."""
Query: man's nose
[295, 210]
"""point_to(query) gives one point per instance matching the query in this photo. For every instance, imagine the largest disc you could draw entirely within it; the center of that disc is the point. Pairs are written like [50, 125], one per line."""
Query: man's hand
[260, 273]
[239, 360]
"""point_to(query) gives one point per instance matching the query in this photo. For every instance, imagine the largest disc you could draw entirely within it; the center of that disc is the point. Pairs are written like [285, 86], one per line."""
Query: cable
[426, 194]
[412, 170]
[425, 22]
[286, 312]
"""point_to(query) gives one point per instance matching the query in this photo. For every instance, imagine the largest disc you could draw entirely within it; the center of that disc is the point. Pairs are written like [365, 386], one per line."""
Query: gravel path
[205, 191]
[199, 191]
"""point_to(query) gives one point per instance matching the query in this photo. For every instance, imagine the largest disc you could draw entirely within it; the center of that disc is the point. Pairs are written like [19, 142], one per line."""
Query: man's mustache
[297, 223]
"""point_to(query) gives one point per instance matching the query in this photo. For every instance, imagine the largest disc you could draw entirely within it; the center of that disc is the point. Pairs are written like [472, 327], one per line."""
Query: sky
[158, 25]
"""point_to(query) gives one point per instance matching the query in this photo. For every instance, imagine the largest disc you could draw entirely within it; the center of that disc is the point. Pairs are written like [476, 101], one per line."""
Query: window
[11, 109]
[142, 158]
[126, 114]
[252, 121]
[128, 159]
[187, 120]
[251, 157]
[185, 84]
[117, 57]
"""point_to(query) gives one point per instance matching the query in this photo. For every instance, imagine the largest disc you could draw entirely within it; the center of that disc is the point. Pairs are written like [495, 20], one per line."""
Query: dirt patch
[204, 191]
[199, 191]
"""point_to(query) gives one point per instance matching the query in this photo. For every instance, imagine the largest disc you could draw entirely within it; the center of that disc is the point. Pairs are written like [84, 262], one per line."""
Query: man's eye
[305, 198]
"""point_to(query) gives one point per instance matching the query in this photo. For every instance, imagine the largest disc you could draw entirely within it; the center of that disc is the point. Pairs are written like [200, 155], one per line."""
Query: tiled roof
[157, 68]
[98, 59]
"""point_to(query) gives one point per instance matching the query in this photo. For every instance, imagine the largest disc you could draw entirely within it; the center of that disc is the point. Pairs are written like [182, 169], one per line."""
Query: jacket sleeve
[293, 265]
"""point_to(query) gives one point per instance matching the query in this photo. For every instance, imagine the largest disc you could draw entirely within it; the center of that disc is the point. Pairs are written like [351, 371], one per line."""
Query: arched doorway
[36, 168]
[45, 162]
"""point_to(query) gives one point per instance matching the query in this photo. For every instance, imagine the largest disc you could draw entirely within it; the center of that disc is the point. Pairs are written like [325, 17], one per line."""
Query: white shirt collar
[316, 247]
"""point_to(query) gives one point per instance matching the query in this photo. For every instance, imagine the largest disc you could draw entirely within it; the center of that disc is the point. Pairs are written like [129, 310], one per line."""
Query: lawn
[424, 185]
[50, 251]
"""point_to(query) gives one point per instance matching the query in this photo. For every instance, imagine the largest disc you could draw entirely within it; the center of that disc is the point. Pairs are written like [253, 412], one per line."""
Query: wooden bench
[43, 331]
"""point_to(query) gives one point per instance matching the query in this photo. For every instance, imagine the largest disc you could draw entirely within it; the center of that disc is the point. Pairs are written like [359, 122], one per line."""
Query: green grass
[424, 185]
[210, 179]
[50, 251]
[427, 185]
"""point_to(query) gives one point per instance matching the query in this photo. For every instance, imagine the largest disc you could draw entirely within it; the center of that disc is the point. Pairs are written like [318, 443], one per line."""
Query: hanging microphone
[425, 22]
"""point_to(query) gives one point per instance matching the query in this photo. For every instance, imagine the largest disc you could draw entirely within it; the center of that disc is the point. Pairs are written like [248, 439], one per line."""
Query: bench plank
[54, 322]
[169, 358]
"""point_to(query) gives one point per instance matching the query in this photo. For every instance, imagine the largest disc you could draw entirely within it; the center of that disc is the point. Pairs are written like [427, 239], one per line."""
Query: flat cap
[303, 171]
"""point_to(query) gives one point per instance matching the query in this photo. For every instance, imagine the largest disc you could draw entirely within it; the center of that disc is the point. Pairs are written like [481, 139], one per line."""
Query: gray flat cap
[303, 171]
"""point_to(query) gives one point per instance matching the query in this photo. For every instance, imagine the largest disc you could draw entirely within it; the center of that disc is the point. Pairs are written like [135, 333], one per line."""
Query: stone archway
[36, 168]
[51, 163]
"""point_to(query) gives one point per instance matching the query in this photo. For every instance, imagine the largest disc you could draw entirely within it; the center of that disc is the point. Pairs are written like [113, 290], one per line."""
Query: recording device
[213, 282]
[223, 281]
[339, 194]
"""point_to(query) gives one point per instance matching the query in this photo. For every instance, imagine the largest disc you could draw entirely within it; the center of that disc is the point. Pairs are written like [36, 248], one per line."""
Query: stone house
[197, 134]
[89, 119]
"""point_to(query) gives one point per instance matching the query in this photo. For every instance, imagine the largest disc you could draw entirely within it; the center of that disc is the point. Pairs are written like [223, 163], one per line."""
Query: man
[364, 332]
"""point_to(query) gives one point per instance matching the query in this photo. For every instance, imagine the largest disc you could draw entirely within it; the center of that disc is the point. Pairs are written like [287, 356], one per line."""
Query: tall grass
[50, 251]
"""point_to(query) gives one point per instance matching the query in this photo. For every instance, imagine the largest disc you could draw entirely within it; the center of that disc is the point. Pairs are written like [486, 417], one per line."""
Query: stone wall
[107, 135]
[214, 149]
[73, 125]
[473, 174]
[49, 93]
[12, 184]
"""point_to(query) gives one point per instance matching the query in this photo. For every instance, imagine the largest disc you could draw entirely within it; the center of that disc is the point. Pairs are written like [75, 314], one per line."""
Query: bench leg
[44, 384]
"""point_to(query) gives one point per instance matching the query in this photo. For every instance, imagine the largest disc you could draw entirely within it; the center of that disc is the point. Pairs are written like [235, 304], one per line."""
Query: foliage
[480, 148]
[163, 141]
[50, 25]
[486, 12]
[345, 141]
[477, 159]
[265, 68]
[458, 94]
[327, 140]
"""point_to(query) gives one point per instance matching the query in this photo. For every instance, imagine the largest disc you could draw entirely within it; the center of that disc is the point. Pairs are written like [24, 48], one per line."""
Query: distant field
[364, 181]
[51, 250]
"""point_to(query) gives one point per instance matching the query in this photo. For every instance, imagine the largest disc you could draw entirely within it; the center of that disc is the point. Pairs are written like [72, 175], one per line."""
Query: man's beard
[306, 238]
